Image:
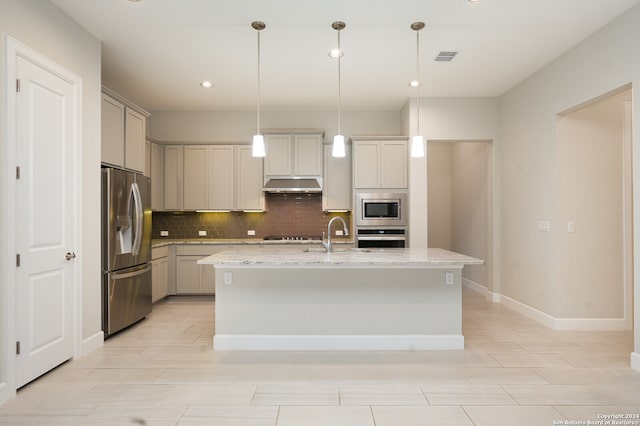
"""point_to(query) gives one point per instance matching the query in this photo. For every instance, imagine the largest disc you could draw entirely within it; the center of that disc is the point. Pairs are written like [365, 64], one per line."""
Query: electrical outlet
[339, 232]
[202, 233]
[164, 233]
[251, 232]
[448, 278]
[228, 277]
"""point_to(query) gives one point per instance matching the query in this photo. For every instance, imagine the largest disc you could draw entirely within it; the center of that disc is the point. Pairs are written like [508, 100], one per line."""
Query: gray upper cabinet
[294, 153]
[380, 164]
[123, 133]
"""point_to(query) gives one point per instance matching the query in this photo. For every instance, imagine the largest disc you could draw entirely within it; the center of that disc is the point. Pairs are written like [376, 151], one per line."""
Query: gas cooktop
[292, 237]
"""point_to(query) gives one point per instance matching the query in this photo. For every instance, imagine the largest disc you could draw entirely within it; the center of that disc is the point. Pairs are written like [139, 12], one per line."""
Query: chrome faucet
[327, 244]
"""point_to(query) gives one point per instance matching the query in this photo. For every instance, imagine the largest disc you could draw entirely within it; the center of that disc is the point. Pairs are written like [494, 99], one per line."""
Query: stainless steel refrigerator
[126, 249]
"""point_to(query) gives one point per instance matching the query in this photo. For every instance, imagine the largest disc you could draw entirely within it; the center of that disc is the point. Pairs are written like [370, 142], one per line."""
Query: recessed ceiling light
[474, 1]
[206, 84]
[415, 83]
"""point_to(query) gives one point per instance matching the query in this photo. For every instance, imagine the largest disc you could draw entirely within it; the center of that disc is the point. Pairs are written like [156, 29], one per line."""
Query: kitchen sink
[336, 251]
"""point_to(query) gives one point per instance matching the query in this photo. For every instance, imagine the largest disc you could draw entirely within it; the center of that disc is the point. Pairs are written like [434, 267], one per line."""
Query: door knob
[70, 256]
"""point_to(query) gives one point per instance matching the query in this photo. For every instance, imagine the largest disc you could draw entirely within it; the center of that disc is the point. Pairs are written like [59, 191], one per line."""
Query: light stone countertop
[162, 242]
[282, 256]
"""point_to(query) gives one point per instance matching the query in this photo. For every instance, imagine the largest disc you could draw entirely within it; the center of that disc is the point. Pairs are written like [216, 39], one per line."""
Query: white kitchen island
[351, 299]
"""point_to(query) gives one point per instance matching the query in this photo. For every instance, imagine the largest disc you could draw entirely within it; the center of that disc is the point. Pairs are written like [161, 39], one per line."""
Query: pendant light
[258, 139]
[338, 139]
[417, 142]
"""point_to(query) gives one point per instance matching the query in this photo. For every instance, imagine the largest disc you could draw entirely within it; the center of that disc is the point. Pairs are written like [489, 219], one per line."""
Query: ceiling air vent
[445, 56]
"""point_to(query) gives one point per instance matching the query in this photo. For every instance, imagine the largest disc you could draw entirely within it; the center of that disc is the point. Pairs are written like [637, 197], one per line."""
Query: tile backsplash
[287, 214]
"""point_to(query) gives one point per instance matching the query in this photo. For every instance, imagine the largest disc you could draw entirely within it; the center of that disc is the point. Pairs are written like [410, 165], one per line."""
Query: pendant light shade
[258, 140]
[338, 140]
[417, 142]
[417, 146]
[257, 146]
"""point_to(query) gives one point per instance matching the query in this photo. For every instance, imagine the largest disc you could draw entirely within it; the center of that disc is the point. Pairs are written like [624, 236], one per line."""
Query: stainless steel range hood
[293, 185]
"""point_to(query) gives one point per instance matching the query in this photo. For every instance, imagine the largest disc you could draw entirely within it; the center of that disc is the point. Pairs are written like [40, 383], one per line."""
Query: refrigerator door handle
[122, 276]
[138, 219]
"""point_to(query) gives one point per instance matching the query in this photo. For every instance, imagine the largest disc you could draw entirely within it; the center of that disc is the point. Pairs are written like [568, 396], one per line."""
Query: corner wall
[527, 159]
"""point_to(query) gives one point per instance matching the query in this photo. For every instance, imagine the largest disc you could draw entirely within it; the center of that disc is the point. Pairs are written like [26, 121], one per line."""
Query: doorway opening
[459, 199]
[594, 246]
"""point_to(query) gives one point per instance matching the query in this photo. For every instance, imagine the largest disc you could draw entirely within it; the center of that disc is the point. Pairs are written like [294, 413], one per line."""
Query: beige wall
[230, 126]
[469, 204]
[590, 176]
[44, 28]
[439, 194]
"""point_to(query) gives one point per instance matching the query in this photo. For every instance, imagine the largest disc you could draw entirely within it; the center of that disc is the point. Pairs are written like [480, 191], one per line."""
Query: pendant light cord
[418, 80]
[258, 97]
[339, 82]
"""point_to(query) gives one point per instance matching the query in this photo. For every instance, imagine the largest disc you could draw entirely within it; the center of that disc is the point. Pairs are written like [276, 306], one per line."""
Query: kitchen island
[350, 299]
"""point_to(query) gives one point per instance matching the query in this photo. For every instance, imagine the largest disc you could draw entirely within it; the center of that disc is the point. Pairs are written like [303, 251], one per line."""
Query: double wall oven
[381, 219]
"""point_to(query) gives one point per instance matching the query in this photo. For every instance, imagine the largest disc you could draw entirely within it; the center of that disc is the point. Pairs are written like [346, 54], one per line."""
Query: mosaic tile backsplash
[287, 214]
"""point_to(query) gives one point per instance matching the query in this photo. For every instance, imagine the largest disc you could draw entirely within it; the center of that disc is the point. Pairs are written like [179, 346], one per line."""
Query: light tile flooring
[163, 372]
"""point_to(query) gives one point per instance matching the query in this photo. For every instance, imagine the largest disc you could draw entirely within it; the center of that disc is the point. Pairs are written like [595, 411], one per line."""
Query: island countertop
[317, 257]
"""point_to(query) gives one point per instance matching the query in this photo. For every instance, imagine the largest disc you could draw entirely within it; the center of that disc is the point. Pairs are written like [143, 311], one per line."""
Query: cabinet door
[393, 164]
[195, 177]
[134, 138]
[112, 136]
[365, 164]
[337, 193]
[249, 194]
[277, 161]
[307, 155]
[157, 177]
[159, 279]
[207, 279]
[221, 177]
[188, 275]
[173, 177]
[147, 158]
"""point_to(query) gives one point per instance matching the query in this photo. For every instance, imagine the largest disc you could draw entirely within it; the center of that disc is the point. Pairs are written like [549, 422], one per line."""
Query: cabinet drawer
[159, 252]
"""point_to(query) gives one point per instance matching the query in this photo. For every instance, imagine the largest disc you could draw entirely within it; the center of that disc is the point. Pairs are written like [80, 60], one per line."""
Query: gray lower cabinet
[192, 278]
[159, 273]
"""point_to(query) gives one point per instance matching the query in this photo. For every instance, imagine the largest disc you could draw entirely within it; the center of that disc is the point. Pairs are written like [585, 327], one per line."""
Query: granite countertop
[282, 256]
[161, 242]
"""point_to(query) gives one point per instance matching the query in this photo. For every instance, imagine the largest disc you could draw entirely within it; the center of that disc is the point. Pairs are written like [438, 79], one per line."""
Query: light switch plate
[544, 226]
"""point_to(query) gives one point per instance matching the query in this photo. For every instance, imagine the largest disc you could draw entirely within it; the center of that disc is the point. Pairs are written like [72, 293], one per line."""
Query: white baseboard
[478, 288]
[6, 393]
[526, 310]
[91, 343]
[336, 342]
[563, 324]
[635, 360]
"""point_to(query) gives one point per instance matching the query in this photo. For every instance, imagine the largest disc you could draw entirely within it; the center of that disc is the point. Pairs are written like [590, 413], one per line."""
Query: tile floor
[163, 371]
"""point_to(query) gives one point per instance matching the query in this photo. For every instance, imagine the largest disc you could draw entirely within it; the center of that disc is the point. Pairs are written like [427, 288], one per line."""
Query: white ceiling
[156, 52]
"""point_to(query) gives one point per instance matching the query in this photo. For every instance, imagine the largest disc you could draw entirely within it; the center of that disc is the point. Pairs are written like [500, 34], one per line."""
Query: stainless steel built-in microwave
[381, 209]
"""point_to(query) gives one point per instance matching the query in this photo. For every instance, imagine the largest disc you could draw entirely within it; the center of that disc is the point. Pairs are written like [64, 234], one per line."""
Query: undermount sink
[337, 251]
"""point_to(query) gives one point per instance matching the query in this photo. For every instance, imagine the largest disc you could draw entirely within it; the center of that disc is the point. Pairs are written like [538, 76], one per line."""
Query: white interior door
[45, 220]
